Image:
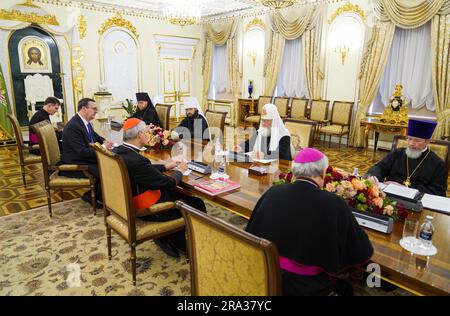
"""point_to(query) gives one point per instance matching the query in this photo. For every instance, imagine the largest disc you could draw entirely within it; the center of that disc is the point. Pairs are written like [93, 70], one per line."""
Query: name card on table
[437, 203]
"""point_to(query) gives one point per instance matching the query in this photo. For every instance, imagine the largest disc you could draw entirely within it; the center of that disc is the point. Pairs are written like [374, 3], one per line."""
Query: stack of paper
[434, 202]
[401, 191]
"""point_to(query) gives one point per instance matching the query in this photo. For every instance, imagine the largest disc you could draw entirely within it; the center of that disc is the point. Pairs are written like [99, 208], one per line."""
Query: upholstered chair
[216, 122]
[227, 261]
[341, 117]
[120, 214]
[163, 112]
[282, 105]
[299, 108]
[256, 117]
[48, 145]
[302, 133]
[25, 158]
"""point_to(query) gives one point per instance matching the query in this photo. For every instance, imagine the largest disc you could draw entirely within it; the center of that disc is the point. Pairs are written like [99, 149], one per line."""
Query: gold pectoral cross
[407, 182]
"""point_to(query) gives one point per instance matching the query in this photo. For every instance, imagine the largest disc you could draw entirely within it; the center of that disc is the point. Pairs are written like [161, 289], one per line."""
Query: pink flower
[358, 185]
[165, 142]
[331, 188]
[282, 175]
[378, 202]
[373, 191]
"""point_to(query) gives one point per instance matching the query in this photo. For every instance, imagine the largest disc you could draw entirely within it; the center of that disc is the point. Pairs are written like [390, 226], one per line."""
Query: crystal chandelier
[183, 13]
[278, 4]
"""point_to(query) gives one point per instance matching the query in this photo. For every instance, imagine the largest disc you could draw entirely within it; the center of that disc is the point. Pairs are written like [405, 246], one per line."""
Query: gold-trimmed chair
[302, 133]
[25, 157]
[319, 112]
[341, 116]
[440, 147]
[48, 145]
[227, 261]
[282, 104]
[216, 120]
[163, 112]
[299, 108]
[120, 214]
[256, 117]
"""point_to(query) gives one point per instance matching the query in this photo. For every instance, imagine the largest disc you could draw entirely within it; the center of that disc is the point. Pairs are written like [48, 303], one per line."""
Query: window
[219, 88]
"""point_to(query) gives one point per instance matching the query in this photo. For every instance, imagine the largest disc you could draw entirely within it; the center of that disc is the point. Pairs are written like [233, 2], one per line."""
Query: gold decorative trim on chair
[227, 261]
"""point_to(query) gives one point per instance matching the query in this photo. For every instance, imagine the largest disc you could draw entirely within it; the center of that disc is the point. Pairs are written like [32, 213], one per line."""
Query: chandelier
[183, 13]
[278, 4]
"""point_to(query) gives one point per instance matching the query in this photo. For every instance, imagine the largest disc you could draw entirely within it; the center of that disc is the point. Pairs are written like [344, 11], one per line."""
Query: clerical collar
[308, 180]
[133, 147]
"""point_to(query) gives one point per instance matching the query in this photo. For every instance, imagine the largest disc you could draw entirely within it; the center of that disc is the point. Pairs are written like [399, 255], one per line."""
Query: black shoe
[166, 246]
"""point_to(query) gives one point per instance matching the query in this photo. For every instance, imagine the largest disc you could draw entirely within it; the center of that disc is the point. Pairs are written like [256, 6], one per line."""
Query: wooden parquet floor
[14, 197]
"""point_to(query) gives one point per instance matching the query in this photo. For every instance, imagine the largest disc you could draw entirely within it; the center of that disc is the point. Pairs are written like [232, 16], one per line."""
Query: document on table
[435, 202]
[401, 191]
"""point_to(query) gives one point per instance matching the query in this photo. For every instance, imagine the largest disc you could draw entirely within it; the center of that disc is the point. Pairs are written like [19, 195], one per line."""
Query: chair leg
[348, 136]
[94, 199]
[329, 141]
[340, 141]
[49, 202]
[108, 240]
[133, 263]
[22, 168]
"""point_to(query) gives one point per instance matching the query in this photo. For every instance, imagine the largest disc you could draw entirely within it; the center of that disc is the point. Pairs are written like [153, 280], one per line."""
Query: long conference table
[417, 274]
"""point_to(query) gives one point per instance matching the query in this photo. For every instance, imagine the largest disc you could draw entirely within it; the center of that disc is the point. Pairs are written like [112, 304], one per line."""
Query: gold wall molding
[82, 26]
[117, 20]
[32, 17]
[255, 22]
[348, 8]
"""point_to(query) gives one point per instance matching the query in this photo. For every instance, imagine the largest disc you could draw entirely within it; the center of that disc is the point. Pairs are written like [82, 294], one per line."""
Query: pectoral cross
[407, 182]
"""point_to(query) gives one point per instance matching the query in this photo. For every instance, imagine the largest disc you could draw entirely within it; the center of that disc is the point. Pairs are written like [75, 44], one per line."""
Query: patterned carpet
[37, 254]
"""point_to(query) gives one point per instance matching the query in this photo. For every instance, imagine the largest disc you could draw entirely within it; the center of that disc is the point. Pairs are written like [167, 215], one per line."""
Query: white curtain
[291, 81]
[409, 63]
[219, 78]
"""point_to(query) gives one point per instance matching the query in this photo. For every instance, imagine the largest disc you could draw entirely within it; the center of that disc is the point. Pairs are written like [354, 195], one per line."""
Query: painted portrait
[34, 55]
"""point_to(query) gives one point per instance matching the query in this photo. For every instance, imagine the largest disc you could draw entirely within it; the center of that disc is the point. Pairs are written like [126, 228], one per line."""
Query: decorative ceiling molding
[348, 8]
[255, 22]
[39, 16]
[117, 20]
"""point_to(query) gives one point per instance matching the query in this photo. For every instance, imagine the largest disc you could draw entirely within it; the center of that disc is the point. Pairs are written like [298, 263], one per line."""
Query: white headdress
[192, 103]
[278, 130]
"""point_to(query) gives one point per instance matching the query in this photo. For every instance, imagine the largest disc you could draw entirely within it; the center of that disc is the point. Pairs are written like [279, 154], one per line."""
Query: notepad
[434, 202]
[401, 191]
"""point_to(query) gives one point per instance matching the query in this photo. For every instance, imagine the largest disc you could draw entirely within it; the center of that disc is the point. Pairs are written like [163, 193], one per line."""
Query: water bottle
[356, 172]
[426, 233]
[222, 172]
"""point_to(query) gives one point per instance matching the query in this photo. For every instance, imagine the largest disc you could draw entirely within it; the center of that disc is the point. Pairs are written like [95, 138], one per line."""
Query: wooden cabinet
[247, 107]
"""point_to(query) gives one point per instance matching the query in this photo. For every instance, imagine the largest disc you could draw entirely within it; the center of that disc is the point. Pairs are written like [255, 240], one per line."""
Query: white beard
[266, 132]
[413, 154]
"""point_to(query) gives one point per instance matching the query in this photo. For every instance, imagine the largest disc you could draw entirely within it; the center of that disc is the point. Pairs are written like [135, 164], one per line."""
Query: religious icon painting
[34, 55]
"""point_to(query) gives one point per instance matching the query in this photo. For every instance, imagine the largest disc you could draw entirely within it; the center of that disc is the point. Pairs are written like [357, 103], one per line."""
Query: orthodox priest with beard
[415, 166]
[272, 140]
[146, 110]
[195, 123]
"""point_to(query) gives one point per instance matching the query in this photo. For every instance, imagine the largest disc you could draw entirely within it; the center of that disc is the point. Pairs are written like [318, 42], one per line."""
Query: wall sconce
[344, 50]
[253, 54]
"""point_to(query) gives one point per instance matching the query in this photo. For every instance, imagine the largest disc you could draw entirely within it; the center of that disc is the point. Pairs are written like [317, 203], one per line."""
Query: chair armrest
[69, 168]
[33, 147]
[157, 208]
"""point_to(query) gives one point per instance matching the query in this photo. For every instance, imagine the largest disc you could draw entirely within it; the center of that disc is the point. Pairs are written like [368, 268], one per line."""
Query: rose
[329, 169]
[337, 176]
[282, 175]
[331, 188]
[289, 177]
[373, 191]
[378, 202]
[165, 142]
[358, 185]
[389, 210]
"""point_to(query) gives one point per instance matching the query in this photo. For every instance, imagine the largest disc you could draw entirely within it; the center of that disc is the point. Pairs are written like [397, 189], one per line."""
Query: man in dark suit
[150, 185]
[77, 136]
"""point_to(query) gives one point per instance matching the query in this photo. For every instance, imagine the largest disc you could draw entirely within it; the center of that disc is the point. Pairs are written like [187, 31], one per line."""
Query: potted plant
[130, 107]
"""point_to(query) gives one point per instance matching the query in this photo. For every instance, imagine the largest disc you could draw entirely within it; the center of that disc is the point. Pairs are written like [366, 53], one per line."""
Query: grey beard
[413, 154]
[266, 131]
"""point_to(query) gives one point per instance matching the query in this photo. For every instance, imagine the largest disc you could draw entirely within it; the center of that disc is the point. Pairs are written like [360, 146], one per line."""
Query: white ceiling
[210, 8]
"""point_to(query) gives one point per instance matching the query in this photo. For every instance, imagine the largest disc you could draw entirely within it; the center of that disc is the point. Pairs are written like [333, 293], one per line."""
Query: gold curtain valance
[410, 14]
[291, 30]
[220, 37]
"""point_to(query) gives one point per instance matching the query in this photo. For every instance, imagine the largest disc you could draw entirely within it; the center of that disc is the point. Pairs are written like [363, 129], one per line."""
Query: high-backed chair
[299, 108]
[163, 112]
[282, 105]
[341, 116]
[48, 145]
[228, 261]
[256, 117]
[25, 158]
[440, 147]
[216, 122]
[120, 214]
[302, 133]
[319, 112]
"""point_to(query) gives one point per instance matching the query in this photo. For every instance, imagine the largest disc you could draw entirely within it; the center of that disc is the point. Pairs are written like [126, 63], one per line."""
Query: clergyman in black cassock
[194, 125]
[422, 169]
[150, 185]
[146, 111]
[315, 232]
[51, 106]
[272, 138]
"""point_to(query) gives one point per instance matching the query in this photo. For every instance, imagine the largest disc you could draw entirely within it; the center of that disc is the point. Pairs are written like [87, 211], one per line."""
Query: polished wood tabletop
[418, 274]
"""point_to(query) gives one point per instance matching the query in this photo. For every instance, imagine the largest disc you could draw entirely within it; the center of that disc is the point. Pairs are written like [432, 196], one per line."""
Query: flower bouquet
[362, 194]
[160, 138]
[284, 177]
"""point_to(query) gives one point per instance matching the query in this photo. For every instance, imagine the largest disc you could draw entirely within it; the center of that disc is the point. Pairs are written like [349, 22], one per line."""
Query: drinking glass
[410, 228]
